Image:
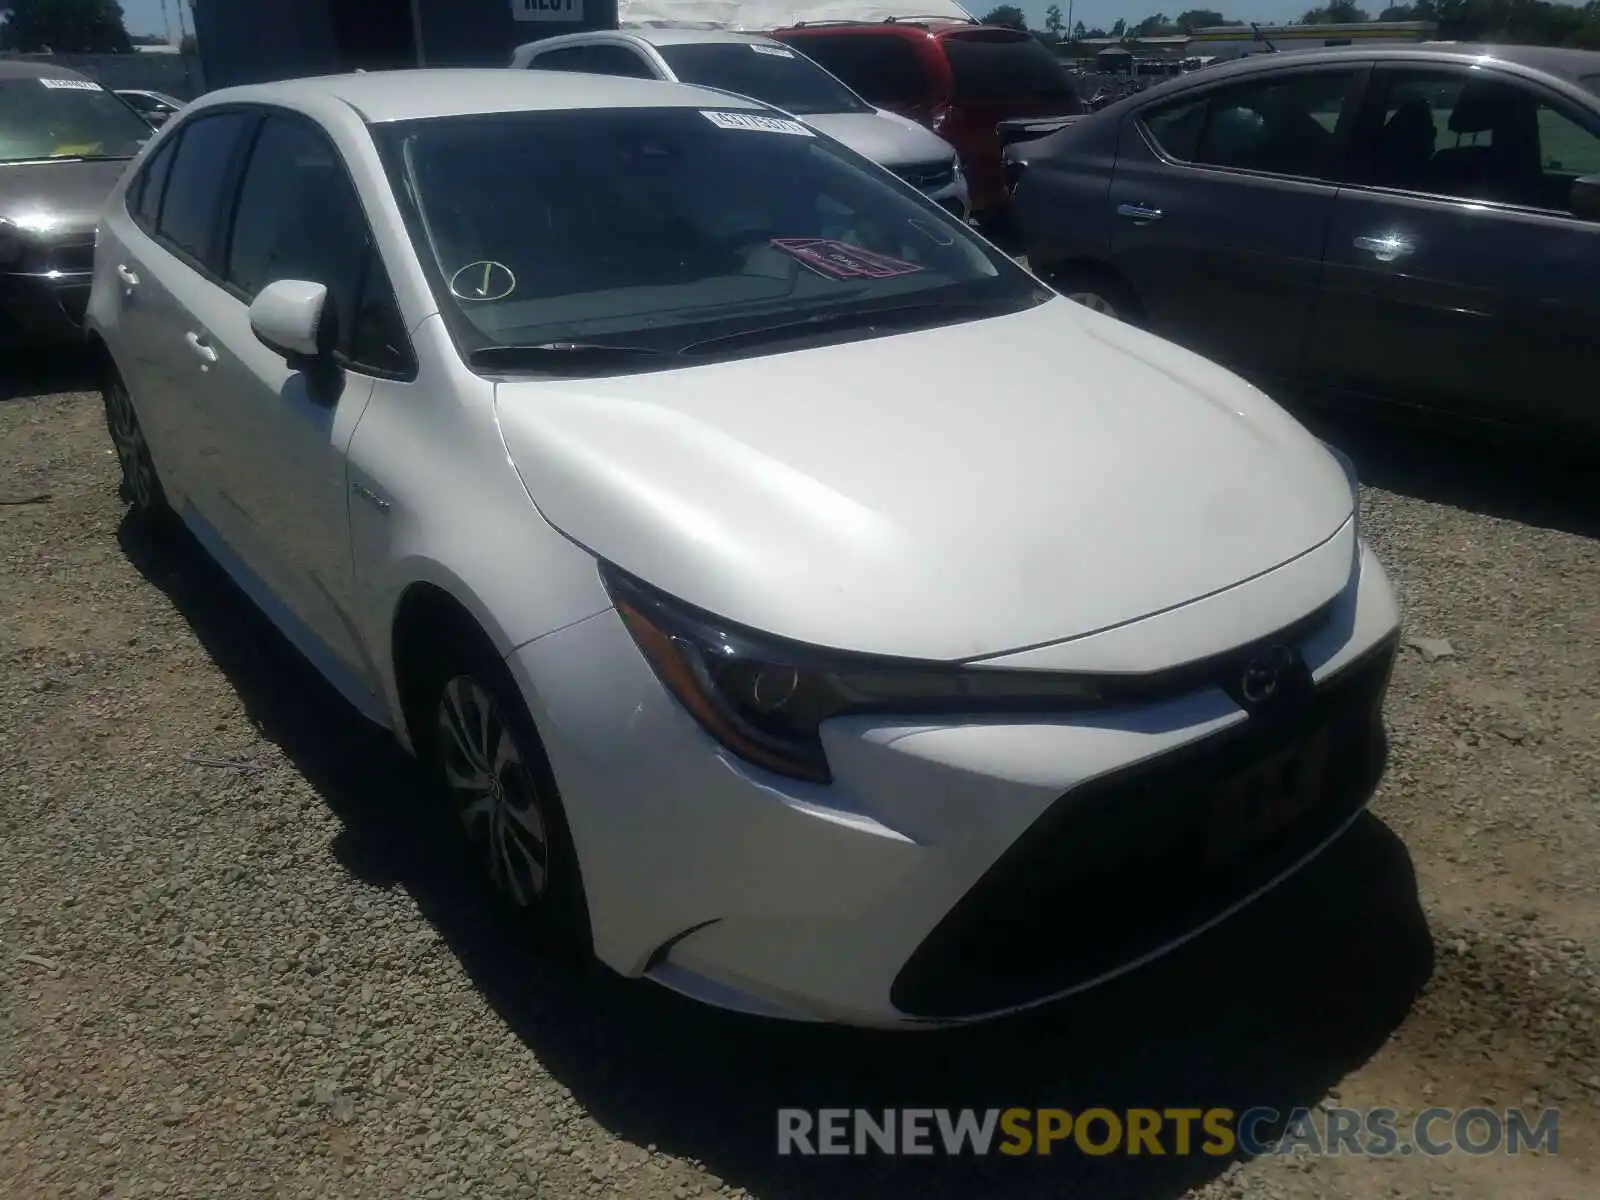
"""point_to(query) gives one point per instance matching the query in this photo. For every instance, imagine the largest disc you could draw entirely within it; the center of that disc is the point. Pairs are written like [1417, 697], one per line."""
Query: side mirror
[1584, 200]
[287, 316]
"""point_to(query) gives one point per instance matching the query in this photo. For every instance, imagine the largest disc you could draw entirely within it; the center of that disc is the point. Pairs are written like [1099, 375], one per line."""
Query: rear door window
[191, 209]
[144, 197]
[882, 69]
[1000, 66]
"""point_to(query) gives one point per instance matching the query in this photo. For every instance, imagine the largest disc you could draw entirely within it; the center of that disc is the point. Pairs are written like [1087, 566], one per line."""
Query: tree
[1120, 29]
[1053, 22]
[1008, 15]
[65, 26]
[1338, 12]
[188, 46]
[1199, 18]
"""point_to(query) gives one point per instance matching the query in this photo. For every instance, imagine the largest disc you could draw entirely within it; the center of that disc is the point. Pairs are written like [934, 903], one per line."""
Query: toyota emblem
[1265, 674]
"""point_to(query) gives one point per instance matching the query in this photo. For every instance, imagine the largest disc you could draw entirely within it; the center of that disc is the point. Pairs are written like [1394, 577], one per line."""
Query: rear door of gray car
[1221, 199]
[1456, 276]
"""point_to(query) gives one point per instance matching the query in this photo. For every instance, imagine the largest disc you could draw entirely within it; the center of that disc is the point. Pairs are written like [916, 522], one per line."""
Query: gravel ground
[233, 960]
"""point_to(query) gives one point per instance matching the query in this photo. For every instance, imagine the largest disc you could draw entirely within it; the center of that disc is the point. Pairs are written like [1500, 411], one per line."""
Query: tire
[140, 486]
[1100, 291]
[488, 765]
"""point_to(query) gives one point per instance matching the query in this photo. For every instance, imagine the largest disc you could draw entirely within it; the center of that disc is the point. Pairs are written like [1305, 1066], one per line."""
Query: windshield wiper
[580, 358]
[898, 315]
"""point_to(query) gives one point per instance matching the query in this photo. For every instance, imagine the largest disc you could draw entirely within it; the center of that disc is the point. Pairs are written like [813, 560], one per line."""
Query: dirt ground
[234, 960]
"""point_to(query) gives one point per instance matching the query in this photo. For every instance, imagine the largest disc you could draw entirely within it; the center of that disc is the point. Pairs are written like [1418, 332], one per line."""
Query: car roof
[383, 96]
[1566, 65]
[1559, 61]
[675, 35]
[30, 70]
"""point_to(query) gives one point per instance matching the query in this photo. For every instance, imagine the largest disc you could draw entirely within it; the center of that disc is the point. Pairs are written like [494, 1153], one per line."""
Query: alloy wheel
[133, 453]
[495, 795]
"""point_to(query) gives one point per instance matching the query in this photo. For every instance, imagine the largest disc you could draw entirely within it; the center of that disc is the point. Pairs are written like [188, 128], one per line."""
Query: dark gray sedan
[1416, 225]
[64, 141]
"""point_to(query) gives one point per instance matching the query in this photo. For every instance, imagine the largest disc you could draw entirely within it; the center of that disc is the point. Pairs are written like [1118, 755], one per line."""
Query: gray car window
[1470, 136]
[1283, 125]
[144, 196]
[191, 207]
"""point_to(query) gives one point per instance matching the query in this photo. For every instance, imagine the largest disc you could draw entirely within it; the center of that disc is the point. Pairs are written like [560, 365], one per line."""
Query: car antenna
[1256, 29]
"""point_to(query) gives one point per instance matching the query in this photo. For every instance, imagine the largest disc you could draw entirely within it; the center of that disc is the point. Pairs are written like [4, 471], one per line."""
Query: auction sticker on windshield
[75, 85]
[841, 260]
[756, 124]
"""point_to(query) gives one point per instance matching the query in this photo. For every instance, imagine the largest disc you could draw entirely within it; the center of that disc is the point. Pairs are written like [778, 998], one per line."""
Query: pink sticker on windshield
[841, 260]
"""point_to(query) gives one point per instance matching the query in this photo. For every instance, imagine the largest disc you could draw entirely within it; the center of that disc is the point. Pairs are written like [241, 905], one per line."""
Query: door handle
[201, 347]
[1138, 213]
[1384, 249]
[127, 276]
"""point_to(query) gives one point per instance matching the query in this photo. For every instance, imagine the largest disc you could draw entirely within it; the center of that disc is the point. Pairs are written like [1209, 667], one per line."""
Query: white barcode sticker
[775, 51]
[754, 123]
[75, 85]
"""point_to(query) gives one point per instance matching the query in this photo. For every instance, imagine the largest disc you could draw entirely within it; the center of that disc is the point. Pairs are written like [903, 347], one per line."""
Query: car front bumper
[952, 872]
[42, 309]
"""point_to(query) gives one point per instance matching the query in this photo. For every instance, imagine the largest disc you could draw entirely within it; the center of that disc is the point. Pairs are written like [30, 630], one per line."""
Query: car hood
[50, 198]
[947, 494]
[888, 140]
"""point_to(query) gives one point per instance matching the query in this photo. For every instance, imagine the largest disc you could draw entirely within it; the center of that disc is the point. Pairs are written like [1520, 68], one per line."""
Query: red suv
[958, 78]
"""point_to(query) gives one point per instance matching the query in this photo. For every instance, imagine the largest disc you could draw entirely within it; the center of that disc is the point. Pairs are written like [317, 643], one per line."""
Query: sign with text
[564, 11]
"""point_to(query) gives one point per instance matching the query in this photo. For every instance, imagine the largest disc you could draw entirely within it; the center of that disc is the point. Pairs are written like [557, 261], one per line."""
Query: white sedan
[712, 517]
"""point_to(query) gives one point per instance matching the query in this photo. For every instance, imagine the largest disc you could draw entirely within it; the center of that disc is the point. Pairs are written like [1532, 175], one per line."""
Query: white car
[764, 69]
[712, 519]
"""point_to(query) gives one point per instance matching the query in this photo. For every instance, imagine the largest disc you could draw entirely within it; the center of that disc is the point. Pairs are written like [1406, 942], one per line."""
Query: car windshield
[658, 228]
[1004, 66]
[66, 118]
[763, 71]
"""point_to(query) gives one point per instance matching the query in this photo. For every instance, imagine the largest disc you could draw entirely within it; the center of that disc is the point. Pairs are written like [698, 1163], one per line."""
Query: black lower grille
[1117, 868]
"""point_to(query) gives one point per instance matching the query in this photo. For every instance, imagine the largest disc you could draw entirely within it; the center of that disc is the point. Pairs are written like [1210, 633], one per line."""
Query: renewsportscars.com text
[1216, 1132]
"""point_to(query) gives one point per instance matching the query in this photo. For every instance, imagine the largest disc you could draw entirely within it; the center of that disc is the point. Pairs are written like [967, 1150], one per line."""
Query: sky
[144, 16]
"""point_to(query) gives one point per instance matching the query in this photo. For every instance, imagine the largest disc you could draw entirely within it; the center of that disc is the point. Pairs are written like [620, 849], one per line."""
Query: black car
[1416, 224]
[64, 141]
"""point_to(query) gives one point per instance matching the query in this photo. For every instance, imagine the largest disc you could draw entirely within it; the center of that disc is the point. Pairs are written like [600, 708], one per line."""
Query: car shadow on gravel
[1272, 1009]
[1514, 480]
[25, 374]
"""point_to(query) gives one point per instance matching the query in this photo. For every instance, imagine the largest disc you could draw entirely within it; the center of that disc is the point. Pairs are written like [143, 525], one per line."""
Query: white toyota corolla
[803, 606]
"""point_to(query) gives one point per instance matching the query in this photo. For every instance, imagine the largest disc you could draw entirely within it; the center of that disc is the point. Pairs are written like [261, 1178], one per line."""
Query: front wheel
[488, 763]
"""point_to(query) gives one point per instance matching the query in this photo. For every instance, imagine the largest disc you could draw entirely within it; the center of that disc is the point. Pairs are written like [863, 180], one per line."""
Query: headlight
[765, 699]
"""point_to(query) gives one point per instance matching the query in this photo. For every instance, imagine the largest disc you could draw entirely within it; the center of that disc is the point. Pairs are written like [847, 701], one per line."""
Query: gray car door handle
[126, 275]
[1138, 213]
[201, 347]
[1384, 249]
